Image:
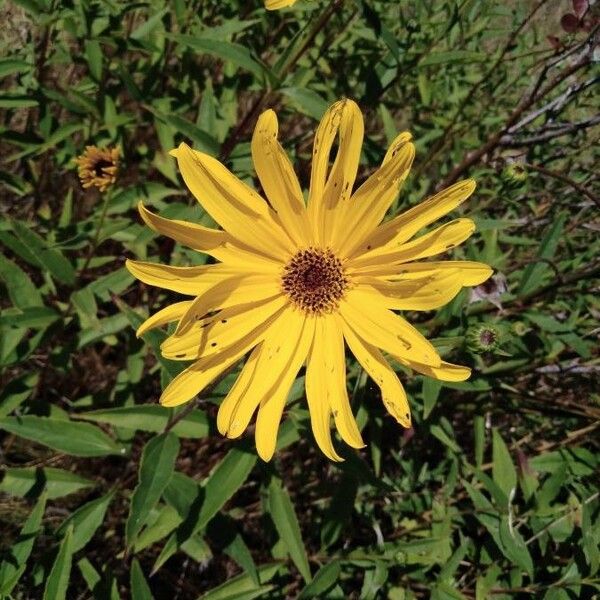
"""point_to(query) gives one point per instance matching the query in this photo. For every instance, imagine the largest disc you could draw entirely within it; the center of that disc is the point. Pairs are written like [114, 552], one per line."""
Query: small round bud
[519, 328]
[514, 174]
[483, 338]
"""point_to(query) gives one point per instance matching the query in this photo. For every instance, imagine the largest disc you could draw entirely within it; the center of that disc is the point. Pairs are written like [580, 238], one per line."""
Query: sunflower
[295, 282]
[277, 4]
[97, 167]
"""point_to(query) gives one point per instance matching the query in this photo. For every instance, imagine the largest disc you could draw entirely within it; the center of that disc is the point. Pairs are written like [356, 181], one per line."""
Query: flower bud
[514, 174]
[483, 337]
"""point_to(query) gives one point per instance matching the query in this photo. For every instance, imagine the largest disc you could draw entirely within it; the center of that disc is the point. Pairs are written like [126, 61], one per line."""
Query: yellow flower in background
[277, 4]
[297, 281]
[97, 167]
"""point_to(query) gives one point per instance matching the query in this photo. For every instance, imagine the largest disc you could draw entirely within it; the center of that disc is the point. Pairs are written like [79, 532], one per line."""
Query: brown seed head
[315, 280]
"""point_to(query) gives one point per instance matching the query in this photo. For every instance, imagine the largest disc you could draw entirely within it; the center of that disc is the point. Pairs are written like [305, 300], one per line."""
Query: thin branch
[437, 147]
[494, 139]
[565, 179]
[564, 129]
[556, 104]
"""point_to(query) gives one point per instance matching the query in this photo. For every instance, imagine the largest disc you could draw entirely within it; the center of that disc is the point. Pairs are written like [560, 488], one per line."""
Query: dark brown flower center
[315, 280]
[99, 167]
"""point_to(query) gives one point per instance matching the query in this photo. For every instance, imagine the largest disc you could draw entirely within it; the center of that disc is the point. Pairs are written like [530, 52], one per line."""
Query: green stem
[99, 225]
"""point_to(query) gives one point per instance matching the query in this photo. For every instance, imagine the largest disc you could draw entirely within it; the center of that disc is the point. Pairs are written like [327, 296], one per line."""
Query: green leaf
[34, 317]
[325, 578]
[153, 338]
[167, 519]
[140, 590]
[202, 139]
[431, 393]
[223, 482]
[443, 437]
[235, 587]
[103, 328]
[453, 56]
[58, 580]
[61, 134]
[237, 54]
[503, 469]
[307, 100]
[533, 274]
[514, 548]
[181, 493]
[31, 481]
[156, 467]
[284, 517]
[12, 568]
[146, 27]
[21, 290]
[58, 266]
[203, 503]
[479, 439]
[16, 392]
[223, 532]
[153, 418]
[84, 303]
[86, 520]
[31, 6]
[10, 101]
[93, 54]
[77, 439]
[90, 575]
[9, 66]
[375, 578]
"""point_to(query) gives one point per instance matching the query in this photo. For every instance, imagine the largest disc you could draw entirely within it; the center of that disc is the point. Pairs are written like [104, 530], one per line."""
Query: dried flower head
[97, 167]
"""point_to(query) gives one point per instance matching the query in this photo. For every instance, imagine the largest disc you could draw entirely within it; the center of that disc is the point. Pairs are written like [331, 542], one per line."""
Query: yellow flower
[98, 167]
[295, 281]
[277, 4]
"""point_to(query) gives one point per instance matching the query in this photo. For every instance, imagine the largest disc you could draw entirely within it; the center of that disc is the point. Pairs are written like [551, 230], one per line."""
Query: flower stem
[94, 244]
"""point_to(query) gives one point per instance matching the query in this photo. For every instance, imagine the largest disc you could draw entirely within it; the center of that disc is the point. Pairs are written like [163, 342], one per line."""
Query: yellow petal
[439, 240]
[372, 361]
[404, 226]
[330, 187]
[170, 313]
[269, 368]
[277, 4]
[195, 378]
[240, 386]
[471, 273]
[428, 293]
[194, 236]
[231, 203]
[445, 372]
[371, 201]
[329, 328]
[369, 318]
[271, 406]
[278, 179]
[230, 292]
[397, 144]
[217, 333]
[192, 281]
[316, 395]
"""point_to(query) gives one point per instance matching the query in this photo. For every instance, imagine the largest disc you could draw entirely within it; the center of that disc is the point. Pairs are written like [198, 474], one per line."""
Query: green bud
[519, 328]
[483, 338]
[514, 174]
